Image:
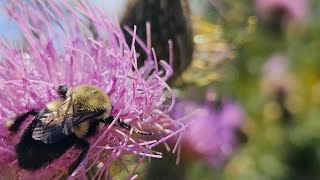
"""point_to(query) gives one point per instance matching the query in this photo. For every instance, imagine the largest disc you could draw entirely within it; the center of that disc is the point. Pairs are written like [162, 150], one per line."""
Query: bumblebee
[76, 115]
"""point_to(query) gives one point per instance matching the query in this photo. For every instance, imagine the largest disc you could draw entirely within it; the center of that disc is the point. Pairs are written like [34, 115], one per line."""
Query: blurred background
[250, 69]
[255, 65]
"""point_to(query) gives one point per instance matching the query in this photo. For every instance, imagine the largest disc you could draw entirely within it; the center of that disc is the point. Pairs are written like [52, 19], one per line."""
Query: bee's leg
[62, 90]
[15, 124]
[134, 129]
[125, 125]
[85, 146]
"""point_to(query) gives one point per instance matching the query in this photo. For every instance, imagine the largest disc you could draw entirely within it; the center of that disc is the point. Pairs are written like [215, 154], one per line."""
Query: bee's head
[62, 90]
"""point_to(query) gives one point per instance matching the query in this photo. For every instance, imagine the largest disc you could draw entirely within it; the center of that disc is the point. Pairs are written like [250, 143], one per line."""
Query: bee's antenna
[125, 125]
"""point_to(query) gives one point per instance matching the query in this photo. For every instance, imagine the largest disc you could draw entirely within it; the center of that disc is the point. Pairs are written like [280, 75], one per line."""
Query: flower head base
[211, 135]
[75, 46]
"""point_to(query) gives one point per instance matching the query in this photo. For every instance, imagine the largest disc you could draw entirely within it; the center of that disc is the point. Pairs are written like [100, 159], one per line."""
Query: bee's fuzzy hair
[90, 98]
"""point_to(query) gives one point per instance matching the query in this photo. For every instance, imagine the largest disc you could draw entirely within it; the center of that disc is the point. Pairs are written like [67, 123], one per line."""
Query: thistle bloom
[276, 75]
[279, 84]
[59, 47]
[212, 134]
[293, 9]
[281, 12]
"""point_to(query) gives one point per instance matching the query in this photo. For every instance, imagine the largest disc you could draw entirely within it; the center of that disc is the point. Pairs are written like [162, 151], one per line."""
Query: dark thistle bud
[169, 20]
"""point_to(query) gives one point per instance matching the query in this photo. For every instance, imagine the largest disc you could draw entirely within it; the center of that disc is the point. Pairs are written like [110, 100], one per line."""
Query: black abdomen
[34, 154]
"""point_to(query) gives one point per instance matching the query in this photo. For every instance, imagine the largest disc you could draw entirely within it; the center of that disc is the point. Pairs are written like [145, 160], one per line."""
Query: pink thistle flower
[278, 84]
[212, 134]
[276, 75]
[293, 9]
[58, 48]
[282, 12]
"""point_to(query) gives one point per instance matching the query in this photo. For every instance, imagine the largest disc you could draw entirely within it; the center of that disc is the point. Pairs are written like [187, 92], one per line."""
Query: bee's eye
[62, 90]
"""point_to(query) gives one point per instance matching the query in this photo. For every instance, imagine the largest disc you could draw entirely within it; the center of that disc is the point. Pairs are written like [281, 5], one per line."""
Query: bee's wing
[50, 125]
[56, 125]
[53, 133]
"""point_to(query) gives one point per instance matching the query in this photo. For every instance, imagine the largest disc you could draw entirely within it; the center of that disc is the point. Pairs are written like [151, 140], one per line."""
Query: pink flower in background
[279, 84]
[276, 75]
[74, 45]
[212, 134]
[289, 10]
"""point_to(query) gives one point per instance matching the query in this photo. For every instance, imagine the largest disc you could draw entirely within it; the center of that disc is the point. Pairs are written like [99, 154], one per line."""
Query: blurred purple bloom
[276, 75]
[290, 10]
[58, 47]
[276, 65]
[211, 135]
